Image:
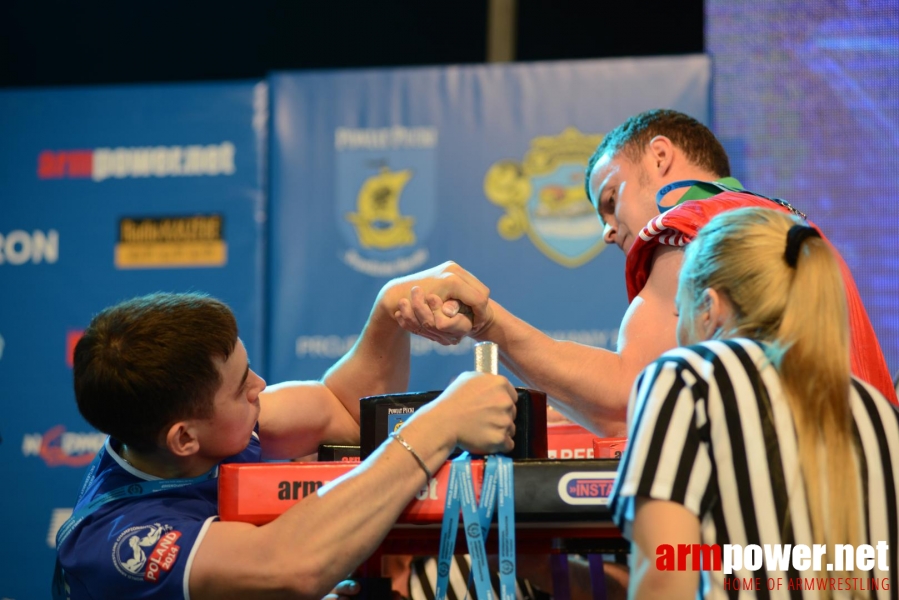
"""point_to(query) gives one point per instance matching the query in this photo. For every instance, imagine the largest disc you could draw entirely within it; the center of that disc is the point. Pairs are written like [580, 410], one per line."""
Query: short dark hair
[148, 362]
[697, 141]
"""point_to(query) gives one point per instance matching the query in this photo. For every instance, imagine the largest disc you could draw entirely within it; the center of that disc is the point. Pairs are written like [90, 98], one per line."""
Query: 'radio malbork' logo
[385, 205]
[543, 196]
[586, 487]
[58, 447]
[147, 552]
[159, 242]
[18, 247]
[101, 164]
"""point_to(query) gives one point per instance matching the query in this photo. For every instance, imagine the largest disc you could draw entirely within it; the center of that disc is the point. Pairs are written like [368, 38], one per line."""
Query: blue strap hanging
[497, 489]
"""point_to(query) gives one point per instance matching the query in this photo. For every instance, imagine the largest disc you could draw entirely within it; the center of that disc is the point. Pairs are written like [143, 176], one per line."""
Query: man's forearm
[319, 541]
[351, 528]
[590, 384]
[378, 363]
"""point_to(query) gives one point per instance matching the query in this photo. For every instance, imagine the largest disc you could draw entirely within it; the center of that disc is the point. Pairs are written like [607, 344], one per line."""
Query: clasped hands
[443, 304]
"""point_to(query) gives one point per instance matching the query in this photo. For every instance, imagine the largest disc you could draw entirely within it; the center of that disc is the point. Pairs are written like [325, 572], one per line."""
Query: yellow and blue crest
[543, 196]
[386, 197]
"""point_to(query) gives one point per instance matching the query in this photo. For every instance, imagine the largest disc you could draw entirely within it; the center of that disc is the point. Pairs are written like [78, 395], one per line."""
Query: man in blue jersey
[168, 378]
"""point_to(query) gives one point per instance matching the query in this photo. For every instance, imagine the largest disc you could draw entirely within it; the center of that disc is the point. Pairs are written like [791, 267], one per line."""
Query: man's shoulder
[663, 265]
[680, 224]
[161, 511]
[700, 212]
[139, 545]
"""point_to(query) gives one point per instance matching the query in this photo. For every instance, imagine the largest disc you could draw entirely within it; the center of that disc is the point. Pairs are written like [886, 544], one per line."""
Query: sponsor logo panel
[586, 487]
[160, 242]
[18, 247]
[101, 164]
[74, 164]
[570, 453]
[60, 448]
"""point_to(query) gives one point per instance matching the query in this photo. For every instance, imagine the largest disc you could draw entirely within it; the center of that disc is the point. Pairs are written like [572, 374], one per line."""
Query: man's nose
[258, 387]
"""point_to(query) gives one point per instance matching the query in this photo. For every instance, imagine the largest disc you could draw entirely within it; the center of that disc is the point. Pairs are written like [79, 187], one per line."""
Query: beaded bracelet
[396, 436]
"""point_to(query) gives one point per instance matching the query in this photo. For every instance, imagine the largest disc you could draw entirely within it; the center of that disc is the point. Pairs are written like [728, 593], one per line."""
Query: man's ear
[181, 439]
[661, 152]
[717, 313]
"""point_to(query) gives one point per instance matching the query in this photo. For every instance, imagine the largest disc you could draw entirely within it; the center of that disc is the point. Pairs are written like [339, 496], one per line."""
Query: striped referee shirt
[423, 581]
[711, 429]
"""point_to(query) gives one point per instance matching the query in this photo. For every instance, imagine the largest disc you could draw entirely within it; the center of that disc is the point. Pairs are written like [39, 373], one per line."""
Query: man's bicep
[297, 416]
[649, 326]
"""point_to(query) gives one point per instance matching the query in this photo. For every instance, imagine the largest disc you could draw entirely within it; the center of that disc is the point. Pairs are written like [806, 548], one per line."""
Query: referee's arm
[660, 522]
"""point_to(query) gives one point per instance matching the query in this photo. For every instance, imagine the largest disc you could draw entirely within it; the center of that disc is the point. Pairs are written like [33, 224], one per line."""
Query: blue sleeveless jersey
[139, 547]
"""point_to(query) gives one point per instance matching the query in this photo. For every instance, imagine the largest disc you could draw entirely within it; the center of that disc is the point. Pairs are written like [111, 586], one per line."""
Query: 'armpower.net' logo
[817, 571]
[195, 241]
[101, 164]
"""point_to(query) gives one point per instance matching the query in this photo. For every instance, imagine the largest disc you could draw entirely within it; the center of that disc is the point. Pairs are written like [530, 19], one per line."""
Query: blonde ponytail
[814, 368]
[795, 301]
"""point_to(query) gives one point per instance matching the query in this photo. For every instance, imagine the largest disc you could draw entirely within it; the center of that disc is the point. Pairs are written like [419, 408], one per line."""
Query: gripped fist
[444, 304]
[481, 408]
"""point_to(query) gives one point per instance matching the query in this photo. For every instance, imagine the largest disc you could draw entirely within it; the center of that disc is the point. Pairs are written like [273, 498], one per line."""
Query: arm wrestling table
[561, 506]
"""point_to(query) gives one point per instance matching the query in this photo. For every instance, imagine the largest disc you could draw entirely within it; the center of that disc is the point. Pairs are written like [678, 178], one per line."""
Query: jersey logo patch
[146, 552]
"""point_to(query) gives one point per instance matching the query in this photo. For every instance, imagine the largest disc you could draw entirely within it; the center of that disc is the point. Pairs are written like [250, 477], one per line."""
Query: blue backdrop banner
[108, 193]
[808, 111]
[377, 174]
